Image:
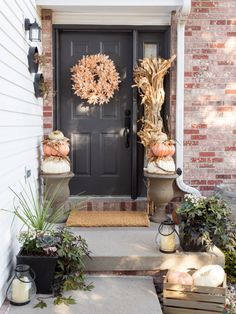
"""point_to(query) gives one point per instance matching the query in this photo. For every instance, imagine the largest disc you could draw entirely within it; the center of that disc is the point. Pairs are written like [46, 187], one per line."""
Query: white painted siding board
[11, 45]
[9, 88]
[13, 33]
[32, 9]
[13, 104]
[11, 163]
[18, 13]
[19, 146]
[13, 133]
[21, 124]
[13, 178]
[19, 119]
[14, 23]
[29, 12]
[13, 75]
[10, 58]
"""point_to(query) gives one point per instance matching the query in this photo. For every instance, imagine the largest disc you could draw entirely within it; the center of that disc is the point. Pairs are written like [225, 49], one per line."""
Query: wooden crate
[185, 299]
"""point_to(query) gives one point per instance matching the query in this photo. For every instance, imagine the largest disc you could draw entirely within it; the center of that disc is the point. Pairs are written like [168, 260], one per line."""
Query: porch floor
[134, 249]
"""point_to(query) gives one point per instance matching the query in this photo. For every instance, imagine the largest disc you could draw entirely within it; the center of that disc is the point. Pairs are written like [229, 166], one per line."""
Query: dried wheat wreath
[95, 79]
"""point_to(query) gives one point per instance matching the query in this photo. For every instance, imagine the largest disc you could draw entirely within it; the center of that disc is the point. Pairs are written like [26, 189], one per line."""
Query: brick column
[47, 70]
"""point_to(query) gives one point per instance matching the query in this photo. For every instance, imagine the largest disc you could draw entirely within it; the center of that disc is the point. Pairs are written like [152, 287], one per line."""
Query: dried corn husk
[148, 78]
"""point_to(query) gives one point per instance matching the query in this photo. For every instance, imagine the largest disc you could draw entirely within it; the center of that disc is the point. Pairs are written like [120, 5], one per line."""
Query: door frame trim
[106, 28]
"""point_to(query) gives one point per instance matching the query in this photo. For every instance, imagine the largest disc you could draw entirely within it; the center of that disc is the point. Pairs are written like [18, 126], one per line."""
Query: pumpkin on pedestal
[55, 149]
[163, 149]
[55, 165]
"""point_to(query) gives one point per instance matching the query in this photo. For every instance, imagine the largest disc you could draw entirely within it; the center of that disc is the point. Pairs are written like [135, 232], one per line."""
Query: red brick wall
[210, 94]
[210, 91]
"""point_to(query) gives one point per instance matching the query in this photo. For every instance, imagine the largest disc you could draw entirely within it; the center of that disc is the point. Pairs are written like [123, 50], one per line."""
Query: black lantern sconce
[34, 30]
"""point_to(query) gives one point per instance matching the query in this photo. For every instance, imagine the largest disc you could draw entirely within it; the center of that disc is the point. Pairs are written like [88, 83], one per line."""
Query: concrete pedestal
[161, 191]
[60, 182]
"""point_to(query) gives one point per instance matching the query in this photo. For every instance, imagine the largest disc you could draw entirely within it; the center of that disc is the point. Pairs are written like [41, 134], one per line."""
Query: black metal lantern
[34, 30]
[167, 237]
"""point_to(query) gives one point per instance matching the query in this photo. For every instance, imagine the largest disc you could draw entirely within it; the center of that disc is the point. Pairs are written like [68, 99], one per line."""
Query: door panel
[99, 157]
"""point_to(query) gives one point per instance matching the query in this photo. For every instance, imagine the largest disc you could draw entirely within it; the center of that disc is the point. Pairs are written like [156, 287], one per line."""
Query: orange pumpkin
[172, 150]
[163, 149]
[60, 149]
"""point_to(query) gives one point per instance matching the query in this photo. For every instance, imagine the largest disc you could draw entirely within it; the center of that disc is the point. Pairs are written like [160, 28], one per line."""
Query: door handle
[126, 137]
[126, 133]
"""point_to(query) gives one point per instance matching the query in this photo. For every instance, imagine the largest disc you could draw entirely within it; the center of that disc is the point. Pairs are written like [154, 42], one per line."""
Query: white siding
[21, 122]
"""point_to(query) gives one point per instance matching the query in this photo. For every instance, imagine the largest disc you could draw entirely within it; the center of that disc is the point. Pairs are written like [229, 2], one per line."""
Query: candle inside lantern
[167, 243]
[20, 290]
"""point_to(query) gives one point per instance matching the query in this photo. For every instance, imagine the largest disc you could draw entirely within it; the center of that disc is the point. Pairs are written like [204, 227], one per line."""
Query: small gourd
[56, 135]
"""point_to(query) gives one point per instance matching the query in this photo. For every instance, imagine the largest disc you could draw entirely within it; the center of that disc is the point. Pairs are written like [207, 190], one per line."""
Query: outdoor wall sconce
[34, 30]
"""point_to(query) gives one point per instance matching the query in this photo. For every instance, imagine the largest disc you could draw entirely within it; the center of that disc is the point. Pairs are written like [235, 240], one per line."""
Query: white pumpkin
[167, 164]
[56, 135]
[55, 165]
[161, 166]
[179, 278]
[210, 275]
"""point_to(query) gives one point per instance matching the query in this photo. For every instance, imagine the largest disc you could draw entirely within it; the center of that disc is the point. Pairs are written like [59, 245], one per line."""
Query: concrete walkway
[111, 295]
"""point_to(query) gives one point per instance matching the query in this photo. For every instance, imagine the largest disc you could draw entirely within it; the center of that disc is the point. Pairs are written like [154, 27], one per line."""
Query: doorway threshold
[120, 203]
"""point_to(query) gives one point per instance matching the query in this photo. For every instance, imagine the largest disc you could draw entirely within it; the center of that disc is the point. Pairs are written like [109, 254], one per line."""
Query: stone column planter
[161, 191]
[60, 182]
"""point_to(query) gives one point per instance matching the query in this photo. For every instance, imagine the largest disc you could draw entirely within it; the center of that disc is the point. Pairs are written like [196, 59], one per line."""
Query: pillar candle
[20, 290]
[167, 243]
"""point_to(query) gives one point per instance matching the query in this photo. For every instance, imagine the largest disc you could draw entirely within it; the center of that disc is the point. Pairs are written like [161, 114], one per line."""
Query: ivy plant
[71, 251]
[206, 222]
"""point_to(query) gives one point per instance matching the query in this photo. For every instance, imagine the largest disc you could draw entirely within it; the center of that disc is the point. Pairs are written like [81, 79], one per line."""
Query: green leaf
[63, 300]
[41, 304]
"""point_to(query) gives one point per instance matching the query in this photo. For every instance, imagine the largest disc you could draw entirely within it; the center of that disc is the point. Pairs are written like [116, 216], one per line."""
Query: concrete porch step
[100, 203]
[134, 249]
[111, 294]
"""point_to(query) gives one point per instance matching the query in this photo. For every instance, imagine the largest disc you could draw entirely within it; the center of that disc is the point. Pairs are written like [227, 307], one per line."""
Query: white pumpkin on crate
[210, 276]
[55, 165]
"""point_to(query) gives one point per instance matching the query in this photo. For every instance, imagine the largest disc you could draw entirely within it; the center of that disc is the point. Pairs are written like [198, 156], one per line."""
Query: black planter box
[38, 83]
[33, 65]
[44, 268]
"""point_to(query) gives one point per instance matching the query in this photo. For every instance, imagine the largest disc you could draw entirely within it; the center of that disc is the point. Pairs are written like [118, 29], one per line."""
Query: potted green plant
[205, 222]
[56, 256]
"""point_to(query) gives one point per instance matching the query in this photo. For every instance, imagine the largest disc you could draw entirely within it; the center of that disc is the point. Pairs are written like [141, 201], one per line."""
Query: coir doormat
[107, 219]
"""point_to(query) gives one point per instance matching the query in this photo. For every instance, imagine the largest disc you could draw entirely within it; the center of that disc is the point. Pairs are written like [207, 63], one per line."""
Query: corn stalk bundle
[149, 78]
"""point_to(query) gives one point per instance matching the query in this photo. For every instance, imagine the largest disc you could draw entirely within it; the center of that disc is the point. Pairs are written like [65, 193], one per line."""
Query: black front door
[100, 147]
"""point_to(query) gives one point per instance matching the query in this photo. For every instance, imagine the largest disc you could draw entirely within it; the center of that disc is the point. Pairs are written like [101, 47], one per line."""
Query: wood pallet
[185, 299]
